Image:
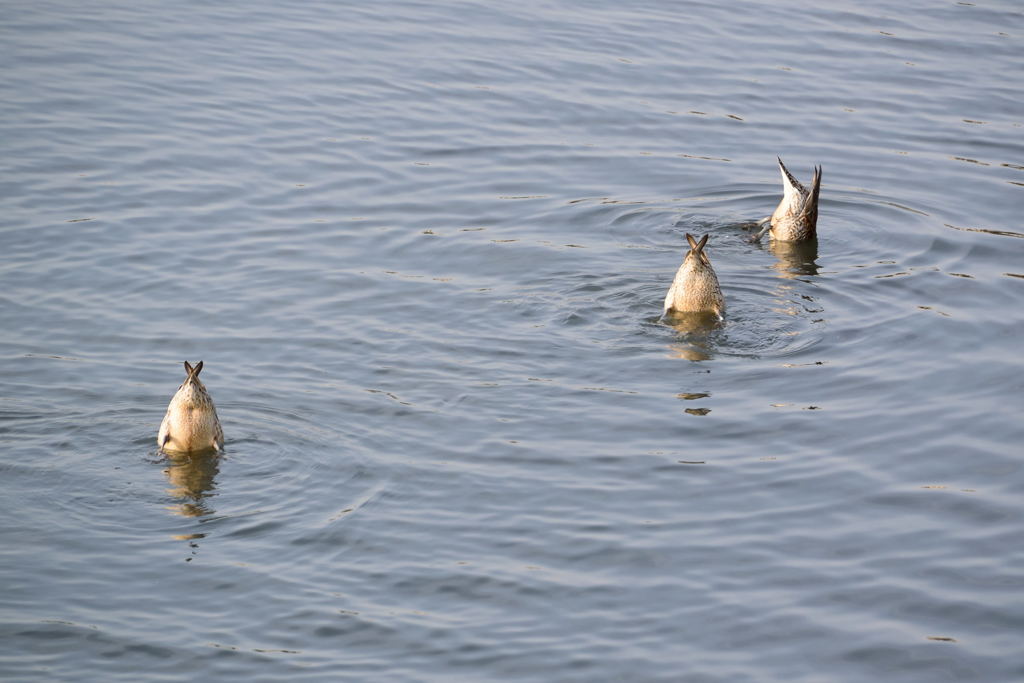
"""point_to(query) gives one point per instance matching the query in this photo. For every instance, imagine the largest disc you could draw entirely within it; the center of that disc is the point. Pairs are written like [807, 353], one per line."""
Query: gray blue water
[422, 249]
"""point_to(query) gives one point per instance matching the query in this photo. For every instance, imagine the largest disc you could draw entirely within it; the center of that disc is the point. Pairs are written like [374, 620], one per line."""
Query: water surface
[422, 249]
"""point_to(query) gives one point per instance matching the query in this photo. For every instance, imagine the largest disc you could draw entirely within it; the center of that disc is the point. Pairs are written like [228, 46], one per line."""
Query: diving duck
[796, 217]
[191, 422]
[695, 287]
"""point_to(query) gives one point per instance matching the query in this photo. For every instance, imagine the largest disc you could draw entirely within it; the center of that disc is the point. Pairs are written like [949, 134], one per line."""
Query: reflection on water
[694, 330]
[689, 351]
[191, 477]
[795, 258]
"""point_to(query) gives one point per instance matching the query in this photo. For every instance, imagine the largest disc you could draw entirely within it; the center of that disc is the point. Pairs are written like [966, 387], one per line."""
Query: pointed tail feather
[810, 208]
[789, 182]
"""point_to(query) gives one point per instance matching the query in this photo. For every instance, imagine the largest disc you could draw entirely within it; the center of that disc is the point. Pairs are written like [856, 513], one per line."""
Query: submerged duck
[796, 217]
[695, 287]
[191, 422]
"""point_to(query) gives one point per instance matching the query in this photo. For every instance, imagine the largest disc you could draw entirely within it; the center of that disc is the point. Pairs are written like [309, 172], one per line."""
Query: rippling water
[422, 250]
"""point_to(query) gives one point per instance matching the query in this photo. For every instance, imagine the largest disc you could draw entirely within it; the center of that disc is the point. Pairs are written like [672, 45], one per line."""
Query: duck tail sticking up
[796, 217]
[191, 423]
[695, 287]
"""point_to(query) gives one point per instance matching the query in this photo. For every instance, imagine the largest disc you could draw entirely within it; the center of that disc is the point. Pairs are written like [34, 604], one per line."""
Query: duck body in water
[191, 422]
[796, 217]
[695, 288]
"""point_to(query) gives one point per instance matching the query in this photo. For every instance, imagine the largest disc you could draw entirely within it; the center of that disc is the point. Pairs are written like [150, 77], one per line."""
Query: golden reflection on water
[794, 259]
[191, 478]
[693, 329]
[694, 352]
